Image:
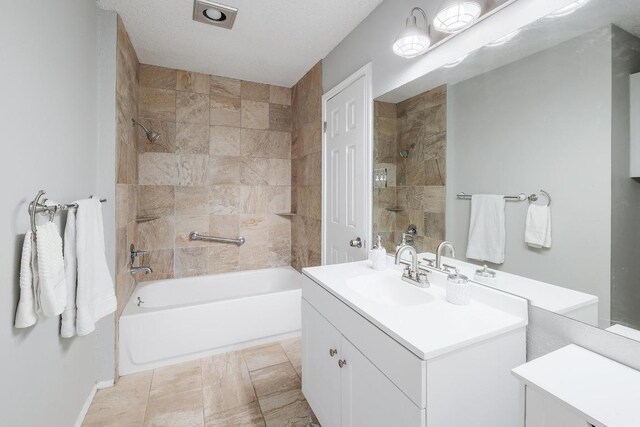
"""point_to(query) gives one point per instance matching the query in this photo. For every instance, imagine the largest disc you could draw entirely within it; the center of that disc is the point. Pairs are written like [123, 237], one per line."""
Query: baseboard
[85, 408]
[105, 384]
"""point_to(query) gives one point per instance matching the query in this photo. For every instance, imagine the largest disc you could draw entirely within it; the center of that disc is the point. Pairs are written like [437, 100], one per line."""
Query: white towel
[26, 313]
[487, 228]
[68, 327]
[95, 296]
[537, 233]
[52, 284]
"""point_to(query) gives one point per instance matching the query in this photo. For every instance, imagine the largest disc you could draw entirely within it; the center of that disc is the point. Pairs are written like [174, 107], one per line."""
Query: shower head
[404, 154]
[151, 135]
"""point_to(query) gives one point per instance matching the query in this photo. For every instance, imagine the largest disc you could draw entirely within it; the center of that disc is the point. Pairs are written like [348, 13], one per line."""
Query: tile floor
[259, 386]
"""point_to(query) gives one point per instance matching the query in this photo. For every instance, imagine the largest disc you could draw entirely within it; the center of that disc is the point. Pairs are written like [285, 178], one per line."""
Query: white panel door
[346, 178]
[369, 398]
[320, 354]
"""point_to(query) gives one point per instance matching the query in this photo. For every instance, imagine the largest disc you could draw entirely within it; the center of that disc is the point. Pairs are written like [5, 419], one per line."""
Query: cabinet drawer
[402, 367]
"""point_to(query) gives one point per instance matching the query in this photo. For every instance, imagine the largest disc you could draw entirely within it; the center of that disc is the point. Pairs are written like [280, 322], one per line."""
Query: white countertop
[604, 392]
[541, 294]
[430, 328]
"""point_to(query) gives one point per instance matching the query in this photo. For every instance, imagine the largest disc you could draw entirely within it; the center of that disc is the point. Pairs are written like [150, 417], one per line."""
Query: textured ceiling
[273, 42]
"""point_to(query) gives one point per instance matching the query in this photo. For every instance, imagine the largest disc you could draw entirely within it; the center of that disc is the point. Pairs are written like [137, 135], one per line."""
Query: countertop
[431, 328]
[604, 392]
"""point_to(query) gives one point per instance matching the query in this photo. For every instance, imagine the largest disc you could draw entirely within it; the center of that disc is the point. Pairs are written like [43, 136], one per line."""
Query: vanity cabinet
[342, 386]
[355, 373]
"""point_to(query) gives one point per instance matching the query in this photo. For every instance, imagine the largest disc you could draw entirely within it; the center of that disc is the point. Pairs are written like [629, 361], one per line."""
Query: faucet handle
[450, 268]
[429, 262]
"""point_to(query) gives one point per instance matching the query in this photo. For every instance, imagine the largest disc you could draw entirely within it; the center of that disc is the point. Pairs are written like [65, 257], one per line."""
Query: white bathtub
[185, 319]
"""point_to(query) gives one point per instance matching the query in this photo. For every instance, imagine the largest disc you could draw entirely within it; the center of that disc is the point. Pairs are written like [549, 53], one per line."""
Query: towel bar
[36, 207]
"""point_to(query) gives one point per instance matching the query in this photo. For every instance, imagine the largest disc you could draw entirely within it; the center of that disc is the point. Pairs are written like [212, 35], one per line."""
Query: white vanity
[378, 351]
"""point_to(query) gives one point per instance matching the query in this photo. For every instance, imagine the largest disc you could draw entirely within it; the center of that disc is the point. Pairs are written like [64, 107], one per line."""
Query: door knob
[342, 363]
[356, 243]
[332, 352]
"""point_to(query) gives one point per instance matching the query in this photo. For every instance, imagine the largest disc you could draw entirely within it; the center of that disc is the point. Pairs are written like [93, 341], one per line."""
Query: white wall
[373, 38]
[49, 131]
[543, 122]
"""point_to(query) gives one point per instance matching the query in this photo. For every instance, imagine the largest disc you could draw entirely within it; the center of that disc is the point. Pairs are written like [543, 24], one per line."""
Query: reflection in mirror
[549, 107]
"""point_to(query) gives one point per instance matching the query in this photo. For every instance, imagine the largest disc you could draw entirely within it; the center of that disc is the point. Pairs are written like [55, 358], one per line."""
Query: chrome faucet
[441, 247]
[412, 273]
[138, 270]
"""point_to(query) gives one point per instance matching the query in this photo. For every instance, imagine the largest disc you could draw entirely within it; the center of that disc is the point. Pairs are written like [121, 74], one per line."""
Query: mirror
[543, 115]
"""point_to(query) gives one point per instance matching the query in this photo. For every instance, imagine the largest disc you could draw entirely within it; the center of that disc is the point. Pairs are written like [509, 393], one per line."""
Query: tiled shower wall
[222, 167]
[416, 184]
[306, 170]
[127, 169]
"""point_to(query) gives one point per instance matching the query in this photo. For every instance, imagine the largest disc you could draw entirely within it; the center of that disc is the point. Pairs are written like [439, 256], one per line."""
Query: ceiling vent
[212, 13]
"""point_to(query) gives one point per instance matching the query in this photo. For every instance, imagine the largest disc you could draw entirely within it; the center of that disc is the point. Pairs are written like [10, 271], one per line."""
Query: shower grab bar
[194, 235]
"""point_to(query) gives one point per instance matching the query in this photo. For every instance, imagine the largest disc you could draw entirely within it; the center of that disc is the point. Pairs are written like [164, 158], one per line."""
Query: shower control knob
[356, 243]
[332, 352]
[342, 363]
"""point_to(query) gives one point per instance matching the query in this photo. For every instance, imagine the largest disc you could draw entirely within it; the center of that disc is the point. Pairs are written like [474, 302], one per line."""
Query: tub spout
[138, 270]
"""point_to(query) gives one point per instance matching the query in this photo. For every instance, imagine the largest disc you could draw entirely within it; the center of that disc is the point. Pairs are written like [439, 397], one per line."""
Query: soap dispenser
[379, 255]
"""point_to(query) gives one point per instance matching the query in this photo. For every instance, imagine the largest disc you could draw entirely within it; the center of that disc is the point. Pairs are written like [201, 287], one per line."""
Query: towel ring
[534, 197]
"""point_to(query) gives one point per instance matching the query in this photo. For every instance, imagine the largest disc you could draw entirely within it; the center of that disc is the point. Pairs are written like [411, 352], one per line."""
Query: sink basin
[386, 290]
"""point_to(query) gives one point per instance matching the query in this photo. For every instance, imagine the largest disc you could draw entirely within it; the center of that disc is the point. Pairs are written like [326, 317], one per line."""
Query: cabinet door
[544, 411]
[320, 372]
[369, 398]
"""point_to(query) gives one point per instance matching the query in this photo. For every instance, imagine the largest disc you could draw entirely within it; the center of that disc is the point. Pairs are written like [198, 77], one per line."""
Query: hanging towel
[95, 296]
[537, 233]
[26, 313]
[52, 284]
[68, 327]
[487, 228]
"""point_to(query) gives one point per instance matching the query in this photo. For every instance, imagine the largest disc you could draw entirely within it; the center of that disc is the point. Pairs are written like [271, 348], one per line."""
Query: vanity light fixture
[413, 41]
[504, 39]
[456, 16]
[568, 9]
[212, 13]
[455, 62]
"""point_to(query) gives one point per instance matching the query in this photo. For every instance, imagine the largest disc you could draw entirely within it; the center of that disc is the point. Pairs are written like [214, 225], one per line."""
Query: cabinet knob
[342, 363]
[332, 352]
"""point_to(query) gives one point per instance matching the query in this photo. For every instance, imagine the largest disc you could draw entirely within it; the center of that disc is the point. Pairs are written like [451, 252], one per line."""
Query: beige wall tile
[255, 115]
[193, 82]
[191, 201]
[279, 145]
[155, 200]
[434, 199]
[254, 143]
[161, 262]
[224, 141]
[279, 172]
[192, 108]
[253, 199]
[224, 225]
[185, 225]
[157, 77]
[223, 86]
[159, 104]
[223, 258]
[157, 169]
[224, 111]
[224, 170]
[278, 199]
[191, 261]
[192, 138]
[280, 95]
[224, 199]
[253, 91]
[254, 171]
[192, 170]
[156, 234]
[280, 117]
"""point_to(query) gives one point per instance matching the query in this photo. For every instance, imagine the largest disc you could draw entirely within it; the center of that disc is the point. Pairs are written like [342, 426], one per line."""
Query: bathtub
[184, 319]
